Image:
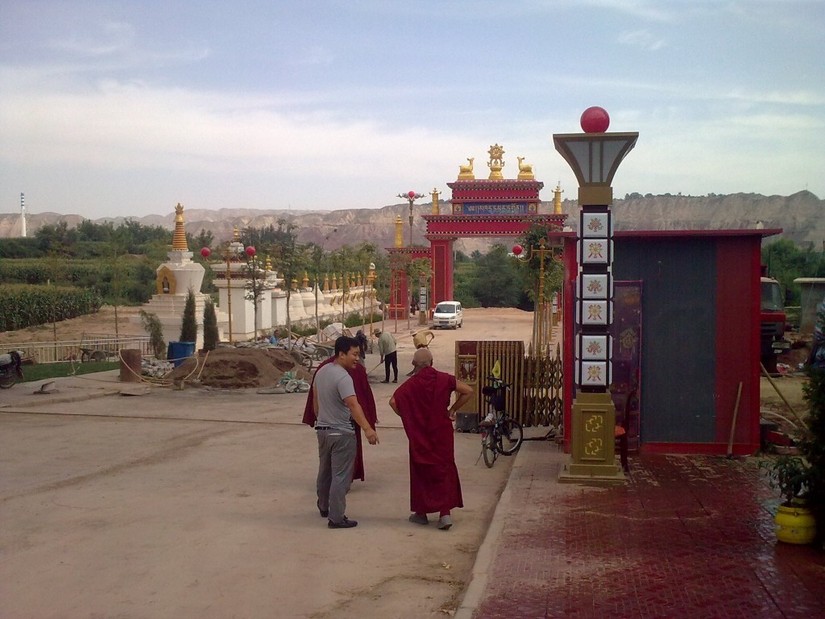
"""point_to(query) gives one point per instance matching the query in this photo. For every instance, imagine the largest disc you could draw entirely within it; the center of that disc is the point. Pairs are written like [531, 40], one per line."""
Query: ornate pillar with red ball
[594, 157]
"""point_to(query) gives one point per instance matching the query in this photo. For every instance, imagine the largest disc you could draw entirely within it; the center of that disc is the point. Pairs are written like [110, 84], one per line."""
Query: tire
[8, 381]
[98, 356]
[510, 436]
[84, 357]
[488, 450]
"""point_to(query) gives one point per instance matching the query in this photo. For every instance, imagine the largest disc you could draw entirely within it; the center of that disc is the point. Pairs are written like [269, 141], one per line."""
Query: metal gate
[535, 395]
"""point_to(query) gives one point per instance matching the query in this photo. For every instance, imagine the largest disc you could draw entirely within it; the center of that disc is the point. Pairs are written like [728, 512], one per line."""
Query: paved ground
[685, 537]
[200, 504]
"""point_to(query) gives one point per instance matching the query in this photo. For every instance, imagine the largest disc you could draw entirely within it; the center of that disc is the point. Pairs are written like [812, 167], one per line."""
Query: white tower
[23, 215]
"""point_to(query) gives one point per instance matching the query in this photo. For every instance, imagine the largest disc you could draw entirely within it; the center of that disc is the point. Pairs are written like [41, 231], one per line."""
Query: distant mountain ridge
[801, 216]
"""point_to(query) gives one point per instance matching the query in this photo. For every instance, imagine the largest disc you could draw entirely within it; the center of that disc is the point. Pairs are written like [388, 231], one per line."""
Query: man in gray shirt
[336, 409]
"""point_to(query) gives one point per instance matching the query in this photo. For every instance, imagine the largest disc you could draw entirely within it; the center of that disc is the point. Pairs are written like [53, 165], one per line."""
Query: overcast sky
[128, 107]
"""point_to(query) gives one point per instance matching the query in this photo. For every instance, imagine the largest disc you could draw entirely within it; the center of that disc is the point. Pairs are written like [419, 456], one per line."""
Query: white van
[448, 314]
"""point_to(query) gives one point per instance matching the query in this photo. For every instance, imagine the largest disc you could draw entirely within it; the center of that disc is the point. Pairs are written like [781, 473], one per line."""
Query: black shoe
[385, 381]
[344, 524]
[324, 512]
[395, 381]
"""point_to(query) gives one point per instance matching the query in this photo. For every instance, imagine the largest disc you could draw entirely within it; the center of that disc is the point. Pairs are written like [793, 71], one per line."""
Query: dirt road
[200, 503]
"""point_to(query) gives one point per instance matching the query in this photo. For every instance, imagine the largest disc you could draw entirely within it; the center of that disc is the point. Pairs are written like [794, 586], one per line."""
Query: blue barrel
[178, 352]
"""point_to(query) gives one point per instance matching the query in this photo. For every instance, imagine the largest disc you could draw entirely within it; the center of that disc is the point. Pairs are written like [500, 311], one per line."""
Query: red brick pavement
[687, 536]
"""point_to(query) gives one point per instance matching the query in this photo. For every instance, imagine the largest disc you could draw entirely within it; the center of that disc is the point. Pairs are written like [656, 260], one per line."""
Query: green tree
[502, 283]
[210, 326]
[153, 326]
[189, 324]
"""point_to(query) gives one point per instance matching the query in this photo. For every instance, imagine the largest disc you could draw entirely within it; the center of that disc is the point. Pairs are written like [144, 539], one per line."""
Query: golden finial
[399, 232]
[268, 263]
[306, 280]
[360, 281]
[236, 235]
[465, 172]
[557, 199]
[295, 284]
[179, 236]
[525, 170]
[326, 281]
[434, 194]
[335, 281]
[496, 162]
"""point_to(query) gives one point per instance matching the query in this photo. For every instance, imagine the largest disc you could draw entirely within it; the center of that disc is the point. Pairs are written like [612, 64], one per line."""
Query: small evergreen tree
[151, 323]
[210, 326]
[189, 326]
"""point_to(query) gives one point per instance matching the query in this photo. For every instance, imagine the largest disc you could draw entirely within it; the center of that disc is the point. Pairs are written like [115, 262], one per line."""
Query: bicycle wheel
[488, 449]
[510, 436]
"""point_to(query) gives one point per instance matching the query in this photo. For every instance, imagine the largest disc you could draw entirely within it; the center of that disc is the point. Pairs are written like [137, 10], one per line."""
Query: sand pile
[240, 368]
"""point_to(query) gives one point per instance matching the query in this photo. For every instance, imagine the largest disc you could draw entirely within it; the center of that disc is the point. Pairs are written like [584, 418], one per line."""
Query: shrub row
[27, 306]
[125, 281]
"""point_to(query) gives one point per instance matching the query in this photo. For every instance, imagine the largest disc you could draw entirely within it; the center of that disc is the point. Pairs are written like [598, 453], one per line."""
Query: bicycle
[504, 434]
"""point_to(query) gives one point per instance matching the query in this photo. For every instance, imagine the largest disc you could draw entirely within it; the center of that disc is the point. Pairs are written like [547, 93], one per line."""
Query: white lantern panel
[594, 251]
[595, 312]
[595, 286]
[594, 374]
[594, 347]
[595, 225]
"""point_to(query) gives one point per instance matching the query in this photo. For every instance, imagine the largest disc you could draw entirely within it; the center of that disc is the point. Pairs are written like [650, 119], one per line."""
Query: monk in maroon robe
[363, 392]
[423, 403]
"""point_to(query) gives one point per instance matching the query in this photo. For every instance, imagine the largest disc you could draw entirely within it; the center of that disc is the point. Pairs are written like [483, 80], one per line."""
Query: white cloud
[642, 39]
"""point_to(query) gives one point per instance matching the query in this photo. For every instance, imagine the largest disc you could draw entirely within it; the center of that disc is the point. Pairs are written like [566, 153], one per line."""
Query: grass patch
[42, 371]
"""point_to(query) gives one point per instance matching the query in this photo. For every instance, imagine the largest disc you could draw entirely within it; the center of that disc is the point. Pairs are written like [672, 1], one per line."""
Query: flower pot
[795, 525]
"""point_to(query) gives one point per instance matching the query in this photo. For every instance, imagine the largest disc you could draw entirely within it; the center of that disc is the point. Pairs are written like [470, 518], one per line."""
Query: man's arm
[465, 392]
[357, 413]
[394, 406]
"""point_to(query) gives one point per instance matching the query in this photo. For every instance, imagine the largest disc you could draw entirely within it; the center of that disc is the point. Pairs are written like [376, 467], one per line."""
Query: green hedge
[129, 280]
[24, 306]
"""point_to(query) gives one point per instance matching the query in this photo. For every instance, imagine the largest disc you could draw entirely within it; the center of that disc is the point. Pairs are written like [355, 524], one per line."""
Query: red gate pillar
[442, 261]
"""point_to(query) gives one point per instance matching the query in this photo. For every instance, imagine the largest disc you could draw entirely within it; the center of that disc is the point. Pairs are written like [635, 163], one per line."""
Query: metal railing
[106, 347]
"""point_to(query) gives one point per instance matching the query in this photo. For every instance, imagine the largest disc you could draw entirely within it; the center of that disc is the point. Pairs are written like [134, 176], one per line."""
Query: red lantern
[595, 120]
[517, 249]
[411, 195]
[206, 252]
[250, 251]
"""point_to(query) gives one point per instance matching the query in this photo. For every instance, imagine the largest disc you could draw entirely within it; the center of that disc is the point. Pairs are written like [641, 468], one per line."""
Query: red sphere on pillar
[411, 194]
[595, 120]
[206, 252]
[250, 251]
[517, 249]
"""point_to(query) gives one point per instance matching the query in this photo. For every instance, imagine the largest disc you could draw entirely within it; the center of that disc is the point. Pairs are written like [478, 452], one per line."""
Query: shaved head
[422, 358]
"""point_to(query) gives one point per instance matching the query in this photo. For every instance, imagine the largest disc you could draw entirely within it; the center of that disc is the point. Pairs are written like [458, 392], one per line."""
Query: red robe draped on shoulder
[363, 392]
[423, 401]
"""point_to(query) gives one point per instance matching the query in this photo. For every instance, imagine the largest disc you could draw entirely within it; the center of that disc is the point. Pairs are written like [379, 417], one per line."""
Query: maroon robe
[363, 392]
[422, 402]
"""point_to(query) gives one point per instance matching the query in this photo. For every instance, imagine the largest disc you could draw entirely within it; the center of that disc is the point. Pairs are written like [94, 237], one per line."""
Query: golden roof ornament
[496, 162]
[399, 232]
[465, 172]
[179, 236]
[557, 199]
[525, 170]
[305, 281]
[434, 194]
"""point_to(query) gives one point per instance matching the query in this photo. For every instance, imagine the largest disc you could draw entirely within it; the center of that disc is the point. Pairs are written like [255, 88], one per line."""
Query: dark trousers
[391, 360]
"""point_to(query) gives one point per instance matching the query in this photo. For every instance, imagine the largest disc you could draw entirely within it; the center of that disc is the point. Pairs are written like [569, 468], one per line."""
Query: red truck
[772, 322]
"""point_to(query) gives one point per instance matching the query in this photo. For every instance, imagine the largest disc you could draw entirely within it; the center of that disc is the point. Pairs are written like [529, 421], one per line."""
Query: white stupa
[173, 280]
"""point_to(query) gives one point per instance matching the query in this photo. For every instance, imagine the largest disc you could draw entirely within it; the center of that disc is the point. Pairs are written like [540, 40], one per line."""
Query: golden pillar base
[593, 453]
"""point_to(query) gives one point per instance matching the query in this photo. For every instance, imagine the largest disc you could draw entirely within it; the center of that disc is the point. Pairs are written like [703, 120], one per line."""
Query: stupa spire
[179, 236]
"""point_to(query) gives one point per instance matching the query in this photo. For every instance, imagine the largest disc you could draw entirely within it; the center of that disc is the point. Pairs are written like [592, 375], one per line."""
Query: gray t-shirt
[332, 384]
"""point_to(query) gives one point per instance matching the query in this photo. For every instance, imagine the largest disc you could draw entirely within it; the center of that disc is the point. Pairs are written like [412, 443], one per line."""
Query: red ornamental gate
[492, 207]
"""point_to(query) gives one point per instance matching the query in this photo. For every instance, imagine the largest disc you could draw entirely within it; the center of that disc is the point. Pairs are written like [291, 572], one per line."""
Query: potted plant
[791, 476]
